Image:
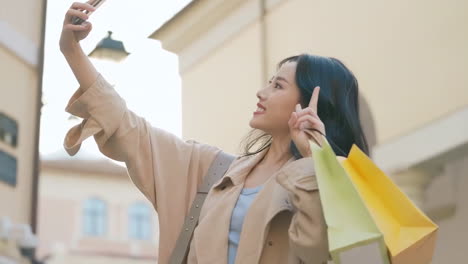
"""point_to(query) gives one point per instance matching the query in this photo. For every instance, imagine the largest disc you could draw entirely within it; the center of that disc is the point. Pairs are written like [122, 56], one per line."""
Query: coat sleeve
[307, 232]
[165, 169]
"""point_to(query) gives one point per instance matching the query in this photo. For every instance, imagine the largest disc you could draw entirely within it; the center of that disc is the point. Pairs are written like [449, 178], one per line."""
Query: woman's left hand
[305, 124]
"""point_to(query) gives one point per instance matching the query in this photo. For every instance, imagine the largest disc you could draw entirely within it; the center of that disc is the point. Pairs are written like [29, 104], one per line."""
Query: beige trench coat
[284, 224]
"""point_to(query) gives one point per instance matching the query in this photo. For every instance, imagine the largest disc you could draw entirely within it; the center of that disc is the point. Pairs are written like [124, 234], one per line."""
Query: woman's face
[277, 101]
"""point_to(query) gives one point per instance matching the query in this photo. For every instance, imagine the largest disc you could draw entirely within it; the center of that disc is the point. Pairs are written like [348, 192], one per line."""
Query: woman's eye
[277, 86]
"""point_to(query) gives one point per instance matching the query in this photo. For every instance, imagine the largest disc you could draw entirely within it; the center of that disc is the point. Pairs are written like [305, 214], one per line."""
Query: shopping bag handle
[315, 141]
[309, 132]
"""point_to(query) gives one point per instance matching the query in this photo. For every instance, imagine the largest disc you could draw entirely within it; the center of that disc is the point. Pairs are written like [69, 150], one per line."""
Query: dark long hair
[338, 105]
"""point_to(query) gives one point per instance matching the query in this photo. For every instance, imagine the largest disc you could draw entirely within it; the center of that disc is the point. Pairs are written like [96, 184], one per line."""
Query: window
[95, 217]
[8, 168]
[139, 216]
[8, 130]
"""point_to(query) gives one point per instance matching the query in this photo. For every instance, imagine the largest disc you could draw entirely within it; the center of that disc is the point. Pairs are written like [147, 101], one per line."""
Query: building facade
[21, 59]
[91, 212]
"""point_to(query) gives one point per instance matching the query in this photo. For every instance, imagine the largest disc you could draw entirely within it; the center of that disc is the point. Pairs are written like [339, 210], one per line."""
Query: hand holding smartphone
[95, 4]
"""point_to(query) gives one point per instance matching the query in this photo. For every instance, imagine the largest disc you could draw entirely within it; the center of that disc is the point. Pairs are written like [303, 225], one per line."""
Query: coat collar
[241, 167]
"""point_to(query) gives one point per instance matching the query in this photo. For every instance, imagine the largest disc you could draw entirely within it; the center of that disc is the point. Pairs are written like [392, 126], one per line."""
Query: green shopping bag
[353, 236]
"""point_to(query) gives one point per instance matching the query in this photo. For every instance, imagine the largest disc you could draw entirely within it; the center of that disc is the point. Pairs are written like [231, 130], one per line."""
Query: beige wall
[409, 57]
[62, 195]
[18, 82]
[19, 89]
[25, 16]
[219, 92]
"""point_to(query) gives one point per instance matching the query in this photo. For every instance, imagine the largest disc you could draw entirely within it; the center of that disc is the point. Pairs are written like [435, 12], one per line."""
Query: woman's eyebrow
[282, 79]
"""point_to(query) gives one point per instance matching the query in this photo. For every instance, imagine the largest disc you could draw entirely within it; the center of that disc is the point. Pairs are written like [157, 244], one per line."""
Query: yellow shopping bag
[353, 237]
[409, 234]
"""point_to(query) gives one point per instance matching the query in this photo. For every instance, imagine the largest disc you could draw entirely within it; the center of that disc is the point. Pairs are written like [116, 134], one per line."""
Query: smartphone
[79, 21]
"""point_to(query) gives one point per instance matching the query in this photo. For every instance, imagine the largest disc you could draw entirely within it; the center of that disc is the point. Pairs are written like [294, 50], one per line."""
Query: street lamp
[110, 49]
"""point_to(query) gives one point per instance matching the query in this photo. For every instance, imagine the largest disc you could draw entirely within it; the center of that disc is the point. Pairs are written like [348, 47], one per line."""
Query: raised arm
[165, 168]
[84, 71]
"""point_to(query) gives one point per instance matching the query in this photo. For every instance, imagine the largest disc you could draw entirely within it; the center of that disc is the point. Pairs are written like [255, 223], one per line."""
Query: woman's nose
[261, 94]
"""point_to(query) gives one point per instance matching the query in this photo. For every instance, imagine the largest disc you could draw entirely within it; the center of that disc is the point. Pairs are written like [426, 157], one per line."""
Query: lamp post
[110, 49]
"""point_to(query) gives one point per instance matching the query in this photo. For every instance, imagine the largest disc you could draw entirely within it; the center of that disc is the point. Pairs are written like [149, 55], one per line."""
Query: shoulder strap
[217, 169]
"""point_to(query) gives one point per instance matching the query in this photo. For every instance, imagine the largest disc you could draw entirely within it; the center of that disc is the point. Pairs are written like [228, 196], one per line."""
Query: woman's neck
[278, 152]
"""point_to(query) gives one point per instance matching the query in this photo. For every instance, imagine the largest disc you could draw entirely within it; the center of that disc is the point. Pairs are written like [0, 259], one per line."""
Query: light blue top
[244, 201]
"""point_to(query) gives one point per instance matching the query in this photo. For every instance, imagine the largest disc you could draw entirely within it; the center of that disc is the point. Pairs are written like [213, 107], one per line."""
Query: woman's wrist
[71, 50]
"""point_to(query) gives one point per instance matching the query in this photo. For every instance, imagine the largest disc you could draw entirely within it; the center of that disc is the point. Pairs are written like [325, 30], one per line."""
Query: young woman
[266, 208]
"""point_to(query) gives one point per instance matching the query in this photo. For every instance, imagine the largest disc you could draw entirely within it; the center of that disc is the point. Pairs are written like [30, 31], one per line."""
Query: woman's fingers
[305, 122]
[83, 6]
[292, 120]
[306, 118]
[82, 27]
[307, 111]
[75, 13]
[314, 98]
[298, 108]
[76, 10]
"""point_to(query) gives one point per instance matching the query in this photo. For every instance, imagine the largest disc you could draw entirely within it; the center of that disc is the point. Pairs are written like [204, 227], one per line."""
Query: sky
[147, 79]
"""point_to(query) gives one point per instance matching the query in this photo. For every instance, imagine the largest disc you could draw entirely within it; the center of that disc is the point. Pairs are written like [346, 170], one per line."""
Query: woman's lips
[260, 109]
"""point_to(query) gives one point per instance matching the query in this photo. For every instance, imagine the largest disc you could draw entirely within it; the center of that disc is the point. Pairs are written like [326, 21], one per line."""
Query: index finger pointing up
[314, 99]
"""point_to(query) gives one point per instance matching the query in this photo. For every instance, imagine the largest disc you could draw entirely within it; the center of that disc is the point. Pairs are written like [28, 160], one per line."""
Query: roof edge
[192, 22]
